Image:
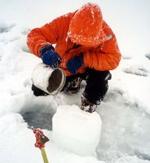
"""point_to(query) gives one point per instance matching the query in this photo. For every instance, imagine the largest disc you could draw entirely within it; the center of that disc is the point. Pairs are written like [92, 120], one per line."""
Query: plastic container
[47, 79]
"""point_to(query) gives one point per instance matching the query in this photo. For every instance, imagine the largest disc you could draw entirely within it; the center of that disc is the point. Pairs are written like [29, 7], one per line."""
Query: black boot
[87, 105]
[72, 86]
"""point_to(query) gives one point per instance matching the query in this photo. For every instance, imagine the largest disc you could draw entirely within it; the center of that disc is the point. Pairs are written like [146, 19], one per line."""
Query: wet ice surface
[125, 129]
[147, 56]
[4, 28]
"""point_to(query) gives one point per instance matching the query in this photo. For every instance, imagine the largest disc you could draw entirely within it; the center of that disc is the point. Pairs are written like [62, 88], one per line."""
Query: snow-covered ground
[125, 111]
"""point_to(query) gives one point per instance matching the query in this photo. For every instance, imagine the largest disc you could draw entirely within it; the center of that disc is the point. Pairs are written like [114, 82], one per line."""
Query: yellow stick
[44, 156]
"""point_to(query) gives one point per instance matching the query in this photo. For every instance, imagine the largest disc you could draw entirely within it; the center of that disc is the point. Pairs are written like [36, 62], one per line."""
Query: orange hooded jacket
[105, 56]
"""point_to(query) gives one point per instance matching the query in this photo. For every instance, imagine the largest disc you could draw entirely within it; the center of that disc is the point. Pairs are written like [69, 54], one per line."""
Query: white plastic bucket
[43, 78]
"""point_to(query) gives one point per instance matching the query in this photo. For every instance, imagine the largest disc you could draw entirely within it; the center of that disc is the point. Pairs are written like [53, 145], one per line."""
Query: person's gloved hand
[49, 56]
[74, 64]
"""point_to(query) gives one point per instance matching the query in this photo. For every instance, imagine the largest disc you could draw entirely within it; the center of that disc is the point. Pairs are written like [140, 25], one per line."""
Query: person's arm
[47, 34]
[105, 57]
[39, 37]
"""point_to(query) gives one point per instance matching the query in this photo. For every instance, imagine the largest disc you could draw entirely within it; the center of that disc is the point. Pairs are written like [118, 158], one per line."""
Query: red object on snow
[41, 139]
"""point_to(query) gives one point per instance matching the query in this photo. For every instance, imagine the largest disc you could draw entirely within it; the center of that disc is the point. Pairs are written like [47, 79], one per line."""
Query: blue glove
[74, 64]
[49, 56]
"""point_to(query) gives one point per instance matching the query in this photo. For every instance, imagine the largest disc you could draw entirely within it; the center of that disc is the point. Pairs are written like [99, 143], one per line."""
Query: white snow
[125, 111]
[76, 130]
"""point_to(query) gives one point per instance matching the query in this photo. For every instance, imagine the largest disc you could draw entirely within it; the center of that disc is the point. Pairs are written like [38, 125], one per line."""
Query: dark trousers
[96, 84]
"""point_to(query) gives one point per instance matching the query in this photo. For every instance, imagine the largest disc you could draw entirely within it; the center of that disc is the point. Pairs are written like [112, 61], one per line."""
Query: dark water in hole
[37, 119]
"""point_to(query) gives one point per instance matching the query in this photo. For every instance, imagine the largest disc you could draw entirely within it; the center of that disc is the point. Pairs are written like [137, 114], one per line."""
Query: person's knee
[97, 86]
[100, 75]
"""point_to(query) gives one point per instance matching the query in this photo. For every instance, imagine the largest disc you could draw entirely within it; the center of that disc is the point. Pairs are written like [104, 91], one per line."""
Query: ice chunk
[76, 130]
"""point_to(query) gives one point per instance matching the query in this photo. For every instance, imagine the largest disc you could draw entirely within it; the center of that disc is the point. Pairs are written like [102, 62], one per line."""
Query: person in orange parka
[85, 48]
